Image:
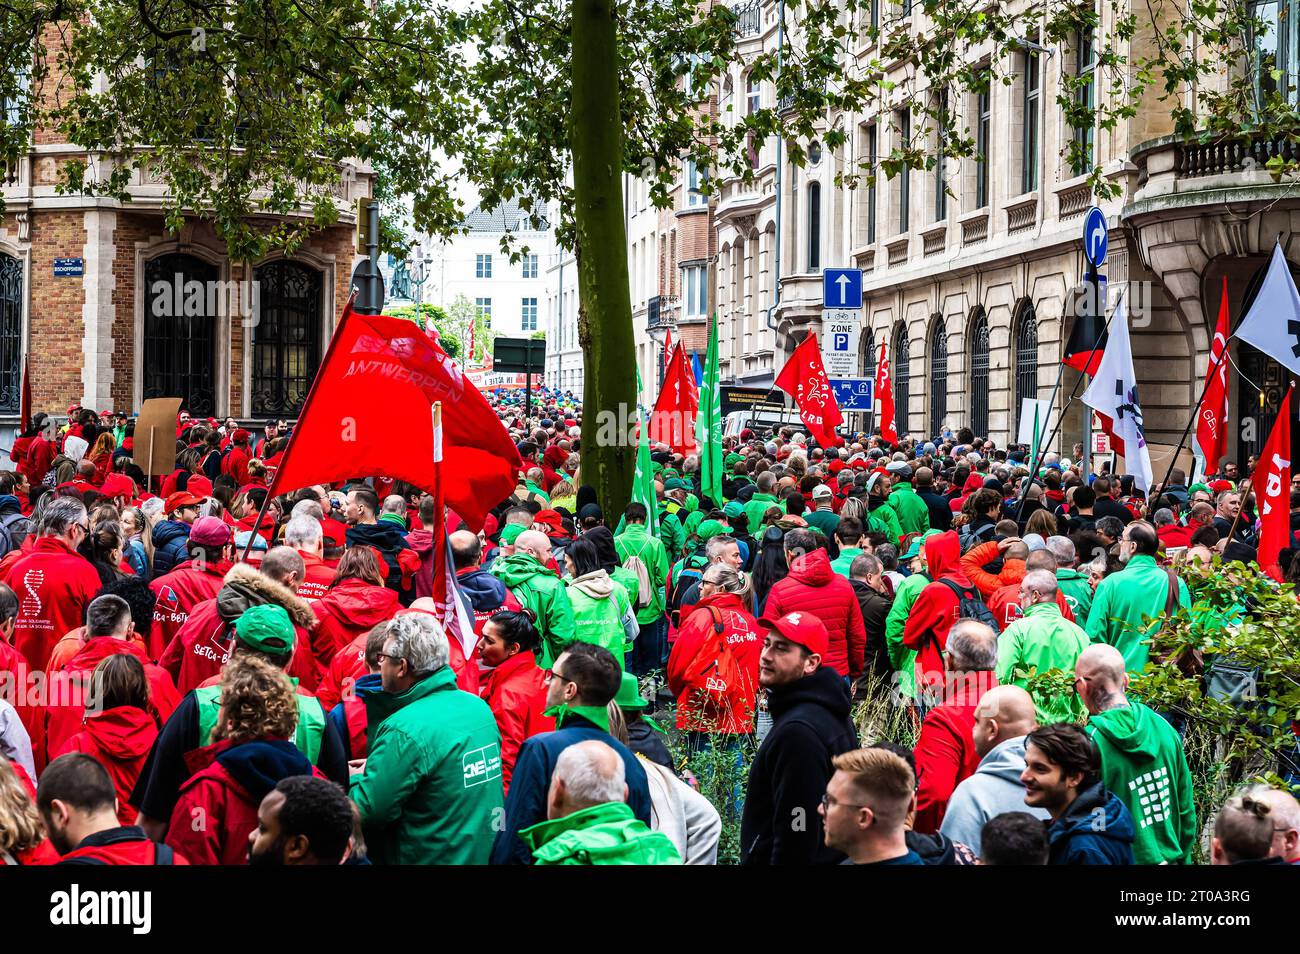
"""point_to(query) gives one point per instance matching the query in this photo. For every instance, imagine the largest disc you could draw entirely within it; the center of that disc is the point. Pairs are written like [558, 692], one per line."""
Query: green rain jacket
[843, 563]
[542, 592]
[1077, 592]
[900, 657]
[1040, 640]
[637, 541]
[1121, 602]
[758, 505]
[913, 514]
[431, 791]
[607, 834]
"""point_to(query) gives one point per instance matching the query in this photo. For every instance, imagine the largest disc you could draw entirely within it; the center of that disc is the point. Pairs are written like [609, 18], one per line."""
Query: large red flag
[673, 420]
[804, 379]
[1212, 417]
[885, 397]
[1272, 484]
[369, 413]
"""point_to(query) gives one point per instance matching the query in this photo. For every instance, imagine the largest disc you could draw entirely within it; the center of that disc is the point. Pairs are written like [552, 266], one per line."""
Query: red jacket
[36, 462]
[349, 664]
[813, 587]
[935, 609]
[1172, 535]
[972, 564]
[178, 592]
[317, 577]
[350, 609]
[228, 784]
[945, 751]
[1004, 604]
[265, 530]
[54, 584]
[735, 713]
[515, 691]
[202, 646]
[65, 712]
[121, 846]
[235, 464]
[118, 739]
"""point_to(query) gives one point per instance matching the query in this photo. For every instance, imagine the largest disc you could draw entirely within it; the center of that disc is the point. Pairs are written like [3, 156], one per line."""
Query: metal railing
[659, 310]
[749, 18]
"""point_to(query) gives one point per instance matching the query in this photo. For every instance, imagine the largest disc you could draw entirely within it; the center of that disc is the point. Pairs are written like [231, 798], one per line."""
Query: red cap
[835, 466]
[118, 485]
[181, 499]
[802, 628]
[550, 518]
[240, 436]
[199, 486]
[1219, 486]
[128, 443]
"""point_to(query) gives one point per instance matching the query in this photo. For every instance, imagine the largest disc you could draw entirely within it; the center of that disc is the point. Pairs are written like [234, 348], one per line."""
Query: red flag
[368, 413]
[1272, 485]
[804, 379]
[447, 602]
[470, 357]
[1212, 416]
[673, 420]
[25, 409]
[885, 397]
[668, 344]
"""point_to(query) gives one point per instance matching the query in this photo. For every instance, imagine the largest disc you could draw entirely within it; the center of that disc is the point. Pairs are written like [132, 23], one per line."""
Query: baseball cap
[734, 508]
[802, 628]
[181, 498]
[118, 485]
[821, 490]
[200, 487]
[210, 532]
[266, 629]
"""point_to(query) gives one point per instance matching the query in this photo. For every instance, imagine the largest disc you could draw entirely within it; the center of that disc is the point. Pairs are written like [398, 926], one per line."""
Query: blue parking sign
[852, 394]
[841, 342]
[842, 288]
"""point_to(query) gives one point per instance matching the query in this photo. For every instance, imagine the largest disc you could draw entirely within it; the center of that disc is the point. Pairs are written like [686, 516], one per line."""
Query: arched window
[11, 333]
[979, 373]
[286, 339]
[1026, 355]
[182, 302]
[902, 374]
[938, 376]
[814, 226]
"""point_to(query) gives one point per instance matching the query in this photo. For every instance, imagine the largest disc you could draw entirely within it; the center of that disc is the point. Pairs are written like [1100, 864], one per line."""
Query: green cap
[731, 459]
[692, 503]
[629, 694]
[711, 528]
[266, 629]
[674, 483]
[734, 509]
[511, 533]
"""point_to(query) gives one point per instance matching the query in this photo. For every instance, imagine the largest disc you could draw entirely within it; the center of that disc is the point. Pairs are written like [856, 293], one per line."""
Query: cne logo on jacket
[481, 765]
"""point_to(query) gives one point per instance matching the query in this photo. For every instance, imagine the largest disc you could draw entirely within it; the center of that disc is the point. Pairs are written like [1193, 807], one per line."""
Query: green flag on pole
[708, 422]
[1038, 435]
[643, 482]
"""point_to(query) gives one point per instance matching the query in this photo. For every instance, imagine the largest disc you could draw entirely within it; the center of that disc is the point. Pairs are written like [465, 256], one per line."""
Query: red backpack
[713, 677]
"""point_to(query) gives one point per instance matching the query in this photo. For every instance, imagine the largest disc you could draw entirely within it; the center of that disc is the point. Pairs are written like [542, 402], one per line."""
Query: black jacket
[1109, 507]
[811, 725]
[940, 510]
[388, 539]
[875, 608]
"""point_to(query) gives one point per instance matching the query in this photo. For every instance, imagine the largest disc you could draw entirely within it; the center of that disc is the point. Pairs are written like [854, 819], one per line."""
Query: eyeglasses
[828, 802]
[552, 675]
[393, 659]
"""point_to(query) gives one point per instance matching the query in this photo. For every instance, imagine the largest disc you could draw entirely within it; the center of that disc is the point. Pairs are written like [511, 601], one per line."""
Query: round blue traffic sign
[1095, 237]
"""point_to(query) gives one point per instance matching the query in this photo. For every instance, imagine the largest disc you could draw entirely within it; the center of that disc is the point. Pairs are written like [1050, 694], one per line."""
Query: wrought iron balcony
[749, 18]
[659, 311]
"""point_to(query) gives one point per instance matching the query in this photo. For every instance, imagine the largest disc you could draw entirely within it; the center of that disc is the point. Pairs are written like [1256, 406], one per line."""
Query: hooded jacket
[541, 591]
[636, 540]
[1095, 830]
[945, 750]
[605, 834]
[758, 505]
[602, 613]
[972, 564]
[128, 845]
[388, 539]
[171, 540]
[118, 739]
[1039, 641]
[993, 790]
[901, 658]
[913, 513]
[70, 687]
[935, 609]
[515, 691]
[202, 645]
[178, 592]
[349, 609]
[813, 587]
[788, 777]
[349, 716]
[421, 543]
[431, 789]
[229, 784]
[1120, 603]
[1143, 763]
[1076, 589]
[487, 595]
[54, 584]
[698, 709]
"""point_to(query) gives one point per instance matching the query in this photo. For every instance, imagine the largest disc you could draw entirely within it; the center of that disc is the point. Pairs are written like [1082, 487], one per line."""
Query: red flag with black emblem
[804, 379]
[369, 413]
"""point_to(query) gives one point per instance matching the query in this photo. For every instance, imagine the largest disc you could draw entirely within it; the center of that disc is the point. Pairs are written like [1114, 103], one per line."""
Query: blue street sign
[842, 288]
[852, 394]
[69, 267]
[1095, 237]
[839, 342]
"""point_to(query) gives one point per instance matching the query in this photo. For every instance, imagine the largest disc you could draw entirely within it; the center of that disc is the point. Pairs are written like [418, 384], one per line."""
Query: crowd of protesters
[194, 673]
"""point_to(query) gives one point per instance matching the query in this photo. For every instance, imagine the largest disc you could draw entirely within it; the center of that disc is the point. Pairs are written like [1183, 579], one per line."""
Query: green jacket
[884, 520]
[637, 541]
[542, 592]
[671, 534]
[1077, 592]
[913, 514]
[1142, 762]
[900, 657]
[691, 523]
[1122, 600]
[599, 607]
[844, 562]
[607, 834]
[827, 521]
[431, 792]
[758, 505]
[1040, 640]
[307, 737]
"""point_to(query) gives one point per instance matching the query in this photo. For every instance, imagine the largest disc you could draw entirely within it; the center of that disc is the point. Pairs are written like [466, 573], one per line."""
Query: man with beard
[302, 821]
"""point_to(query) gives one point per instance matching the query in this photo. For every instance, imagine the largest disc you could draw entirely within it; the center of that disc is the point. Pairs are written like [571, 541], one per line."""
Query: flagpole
[1074, 394]
[1205, 389]
[1037, 457]
[306, 404]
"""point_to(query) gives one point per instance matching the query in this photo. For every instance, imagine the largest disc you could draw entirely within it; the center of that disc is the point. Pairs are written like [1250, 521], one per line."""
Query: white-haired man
[304, 534]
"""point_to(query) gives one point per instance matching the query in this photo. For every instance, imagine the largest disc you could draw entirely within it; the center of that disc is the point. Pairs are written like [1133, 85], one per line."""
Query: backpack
[971, 606]
[691, 573]
[713, 674]
[644, 589]
[968, 537]
[14, 529]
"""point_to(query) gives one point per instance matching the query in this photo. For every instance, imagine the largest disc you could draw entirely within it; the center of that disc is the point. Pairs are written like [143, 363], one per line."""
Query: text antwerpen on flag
[804, 379]
[368, 413]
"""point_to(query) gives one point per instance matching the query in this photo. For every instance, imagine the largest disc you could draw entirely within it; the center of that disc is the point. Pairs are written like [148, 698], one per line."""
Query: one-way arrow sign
[842, 288]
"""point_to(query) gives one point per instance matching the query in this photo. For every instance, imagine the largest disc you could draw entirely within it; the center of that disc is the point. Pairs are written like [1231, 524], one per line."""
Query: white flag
[1114, 394]
[1273, 323]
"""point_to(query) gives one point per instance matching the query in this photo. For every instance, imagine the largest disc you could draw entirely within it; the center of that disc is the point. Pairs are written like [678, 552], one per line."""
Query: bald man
[1142, 759]
[1004, 716]
[1041, 640]
[1286, 822]
[533, 583]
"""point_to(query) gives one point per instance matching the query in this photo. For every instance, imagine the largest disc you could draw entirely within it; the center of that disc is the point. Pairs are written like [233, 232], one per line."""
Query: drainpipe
[776, 258]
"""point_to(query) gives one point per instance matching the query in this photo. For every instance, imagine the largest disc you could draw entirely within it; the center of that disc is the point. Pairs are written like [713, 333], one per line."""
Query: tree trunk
[605, 299]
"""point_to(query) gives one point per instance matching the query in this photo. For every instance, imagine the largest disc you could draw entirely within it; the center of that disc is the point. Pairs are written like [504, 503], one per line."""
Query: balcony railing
[749, 18]
[659, 311]
[1234, 155]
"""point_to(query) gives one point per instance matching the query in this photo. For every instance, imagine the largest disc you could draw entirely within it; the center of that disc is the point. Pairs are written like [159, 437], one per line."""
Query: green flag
[1038, 435]
[643, 482]
[708, 422]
